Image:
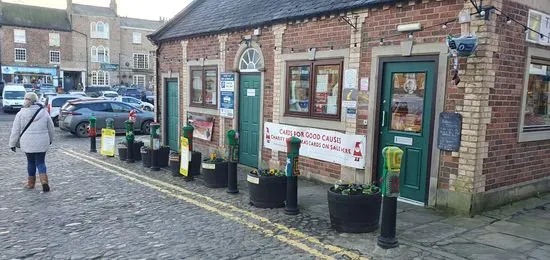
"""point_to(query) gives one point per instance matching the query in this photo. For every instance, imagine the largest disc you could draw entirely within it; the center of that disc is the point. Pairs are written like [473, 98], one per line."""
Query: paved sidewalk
[517, 231]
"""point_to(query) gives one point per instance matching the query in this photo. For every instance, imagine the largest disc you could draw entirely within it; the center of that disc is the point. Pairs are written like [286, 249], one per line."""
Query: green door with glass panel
[406, 112]
[249, 119]
[172, 114]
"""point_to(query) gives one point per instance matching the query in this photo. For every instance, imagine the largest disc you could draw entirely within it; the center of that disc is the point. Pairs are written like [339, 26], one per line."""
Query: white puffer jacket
[39, 135]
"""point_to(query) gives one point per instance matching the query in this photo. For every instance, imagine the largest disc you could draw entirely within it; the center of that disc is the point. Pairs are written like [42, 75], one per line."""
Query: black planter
[123, 153]
[146, 157]
[214, 174]
[137, 150]
[174, 163]
[354, 213]
[267, 192]
[195, 164]
[163, 155]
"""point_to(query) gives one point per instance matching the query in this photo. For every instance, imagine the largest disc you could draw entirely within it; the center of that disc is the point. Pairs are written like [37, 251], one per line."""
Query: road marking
[267, 232]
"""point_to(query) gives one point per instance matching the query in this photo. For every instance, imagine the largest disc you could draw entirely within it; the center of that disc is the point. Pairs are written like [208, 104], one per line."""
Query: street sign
[109, 66]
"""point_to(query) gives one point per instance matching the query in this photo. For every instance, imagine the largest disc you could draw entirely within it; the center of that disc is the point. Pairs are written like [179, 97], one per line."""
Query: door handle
[383, 118]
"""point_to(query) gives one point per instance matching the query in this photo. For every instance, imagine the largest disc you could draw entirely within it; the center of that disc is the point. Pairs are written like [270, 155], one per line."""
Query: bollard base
[93, 148]
[188, 178]
[387, 242]
[232, 178]
[295, 211]
[155, 169]
[291, 205]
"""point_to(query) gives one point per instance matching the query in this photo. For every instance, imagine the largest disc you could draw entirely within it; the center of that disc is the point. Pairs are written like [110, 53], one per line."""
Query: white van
[13, 97]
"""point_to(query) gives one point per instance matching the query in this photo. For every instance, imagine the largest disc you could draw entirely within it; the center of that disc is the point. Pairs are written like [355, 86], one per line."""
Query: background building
[82, 45]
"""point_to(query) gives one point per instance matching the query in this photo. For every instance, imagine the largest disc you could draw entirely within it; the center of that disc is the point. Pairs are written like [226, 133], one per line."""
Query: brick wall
[511, 162]
[170, 54]
[128, 48]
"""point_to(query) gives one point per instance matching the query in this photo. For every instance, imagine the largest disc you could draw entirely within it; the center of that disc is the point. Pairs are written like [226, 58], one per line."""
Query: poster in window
[322, 83]
[203, 126]
[539, 23]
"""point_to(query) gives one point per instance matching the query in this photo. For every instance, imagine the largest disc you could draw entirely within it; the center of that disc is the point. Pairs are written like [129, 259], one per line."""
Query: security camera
[464, 45]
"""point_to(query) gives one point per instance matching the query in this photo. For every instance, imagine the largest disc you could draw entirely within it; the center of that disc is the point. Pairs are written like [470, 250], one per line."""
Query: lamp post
[87, 65]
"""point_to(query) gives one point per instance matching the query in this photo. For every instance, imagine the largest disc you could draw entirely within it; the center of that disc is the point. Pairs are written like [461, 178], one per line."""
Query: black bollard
[131, 157]
[291, 206]
[387, 238]
[292, 172]
[232, 178]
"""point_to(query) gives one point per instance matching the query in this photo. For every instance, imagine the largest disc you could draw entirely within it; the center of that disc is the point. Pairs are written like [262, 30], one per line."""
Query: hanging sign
[227, 94]
[107, 142]
[324, 145]
[185, 157]
[539, 22]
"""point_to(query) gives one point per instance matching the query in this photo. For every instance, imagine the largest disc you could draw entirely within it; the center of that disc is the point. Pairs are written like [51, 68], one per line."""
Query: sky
[145, 9]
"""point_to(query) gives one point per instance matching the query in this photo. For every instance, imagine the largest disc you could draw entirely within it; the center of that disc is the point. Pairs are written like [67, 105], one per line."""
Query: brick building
[86, 45]
[343, 78]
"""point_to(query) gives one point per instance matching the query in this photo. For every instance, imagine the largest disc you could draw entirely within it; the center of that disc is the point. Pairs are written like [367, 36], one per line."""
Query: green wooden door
[249, 119]
[406, 112]
[172, 114]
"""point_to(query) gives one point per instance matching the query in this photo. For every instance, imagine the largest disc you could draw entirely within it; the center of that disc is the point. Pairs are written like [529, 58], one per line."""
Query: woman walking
[33, 132]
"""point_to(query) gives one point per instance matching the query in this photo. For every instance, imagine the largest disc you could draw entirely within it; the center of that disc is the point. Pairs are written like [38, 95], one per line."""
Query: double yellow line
[308, 244]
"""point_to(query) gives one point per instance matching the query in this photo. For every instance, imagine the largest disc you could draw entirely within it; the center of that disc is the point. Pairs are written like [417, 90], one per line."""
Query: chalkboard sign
[450, 128]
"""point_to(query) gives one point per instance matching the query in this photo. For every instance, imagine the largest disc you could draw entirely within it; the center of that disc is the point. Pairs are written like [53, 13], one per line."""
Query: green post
[92, 133]
[233, 141]
[293, 152]
[110, 123]
[155, 145]
[390, 190]
[130, 139]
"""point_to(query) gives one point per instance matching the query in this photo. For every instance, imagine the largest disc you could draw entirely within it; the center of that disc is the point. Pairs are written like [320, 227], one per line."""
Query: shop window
[314, 89]
[54, 39]
[20, 55]
[55, 57]
[136, 38]
[99, 30]
[139, 80]
[141, 61]
[100, 78]
[204, 91]
[19, 36]
[537, 103]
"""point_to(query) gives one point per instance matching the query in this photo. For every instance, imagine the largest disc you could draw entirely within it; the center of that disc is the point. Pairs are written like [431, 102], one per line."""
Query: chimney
[113, 6]
[69, 10]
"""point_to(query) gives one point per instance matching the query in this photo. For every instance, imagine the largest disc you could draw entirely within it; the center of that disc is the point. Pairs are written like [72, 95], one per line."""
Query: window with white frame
[20, 54]
[100, 54]
[141, 61]
[100, 78]
[99, 30]
[136, 38]
[54, 39]
[55, 57]
[139, 80]
[19, 36]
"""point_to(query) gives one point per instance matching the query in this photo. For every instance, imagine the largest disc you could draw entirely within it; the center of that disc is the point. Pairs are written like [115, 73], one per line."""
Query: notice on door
[251, 92]
[328, 146]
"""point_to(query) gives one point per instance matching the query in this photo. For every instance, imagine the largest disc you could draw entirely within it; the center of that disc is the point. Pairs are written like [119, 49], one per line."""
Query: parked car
[13, 97]
[130, 92]
[138, 103]
[148, 96]
[47, 88]
[28, 87]
[74, 117]
[109, 95]
[44, 96]
[54, 103]
[77, 93]
[96, 91]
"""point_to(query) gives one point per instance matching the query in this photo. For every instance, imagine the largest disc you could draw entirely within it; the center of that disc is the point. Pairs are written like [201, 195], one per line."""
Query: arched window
[99, 30]
[102, 54]
[107, 78]
[94, 77]
[251, 61]
[93, 52]
[100, 27]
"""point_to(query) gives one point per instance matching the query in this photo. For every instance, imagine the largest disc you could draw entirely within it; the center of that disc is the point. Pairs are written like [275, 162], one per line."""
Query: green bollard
[92, 133]
[110, 123]
[390, 191]
[155, 145]
[188, 133]
[233, 141]
[130, 140]
[293, 153]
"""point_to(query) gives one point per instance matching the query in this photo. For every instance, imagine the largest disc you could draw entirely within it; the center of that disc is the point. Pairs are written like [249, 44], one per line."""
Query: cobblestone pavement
[104, 208]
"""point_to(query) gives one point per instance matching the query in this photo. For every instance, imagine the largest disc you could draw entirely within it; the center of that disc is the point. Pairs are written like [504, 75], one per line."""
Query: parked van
[13, 97]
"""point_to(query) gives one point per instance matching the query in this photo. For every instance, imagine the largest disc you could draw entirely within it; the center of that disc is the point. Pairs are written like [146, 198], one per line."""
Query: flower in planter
[355, 189]
[268, 172]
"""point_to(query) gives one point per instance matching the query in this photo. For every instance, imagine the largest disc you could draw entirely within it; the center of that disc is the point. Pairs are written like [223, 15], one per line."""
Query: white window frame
[19, 36]
[51, 39]
[94, 30]
[58, 56]
[100, 78]
[136, 61]
[15, 55]
[539, 54]
[136, 79]
[94, 52]
[136, 38]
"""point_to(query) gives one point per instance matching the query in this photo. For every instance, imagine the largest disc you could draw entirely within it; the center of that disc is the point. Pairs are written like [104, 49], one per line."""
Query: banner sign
[107, 142]
[324, 145]
[203, 126]
[109, 66]
[227, 94]
[185, 156]
[539, 22]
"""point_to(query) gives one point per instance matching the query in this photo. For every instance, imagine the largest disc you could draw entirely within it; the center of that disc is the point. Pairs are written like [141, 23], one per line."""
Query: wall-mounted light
[412, 27]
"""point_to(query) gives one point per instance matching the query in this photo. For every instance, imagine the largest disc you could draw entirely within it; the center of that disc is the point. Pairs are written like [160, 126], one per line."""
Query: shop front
[29, 75]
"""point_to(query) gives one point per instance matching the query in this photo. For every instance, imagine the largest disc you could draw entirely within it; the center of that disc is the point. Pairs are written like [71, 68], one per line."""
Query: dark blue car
[130, 92]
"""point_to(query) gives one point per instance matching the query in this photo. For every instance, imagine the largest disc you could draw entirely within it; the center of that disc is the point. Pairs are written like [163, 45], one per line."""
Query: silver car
[74, 117]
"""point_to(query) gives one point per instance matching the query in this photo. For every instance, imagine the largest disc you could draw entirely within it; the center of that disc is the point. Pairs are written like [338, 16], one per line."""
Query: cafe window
[537, 103]
[314, 89]
[204, 90]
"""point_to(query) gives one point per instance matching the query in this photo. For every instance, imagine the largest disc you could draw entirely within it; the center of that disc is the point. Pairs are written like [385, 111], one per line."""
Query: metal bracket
[349, 21]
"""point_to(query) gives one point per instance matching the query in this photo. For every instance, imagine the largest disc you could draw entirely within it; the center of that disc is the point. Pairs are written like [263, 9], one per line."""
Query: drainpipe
[157, 68]
[87, 53]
